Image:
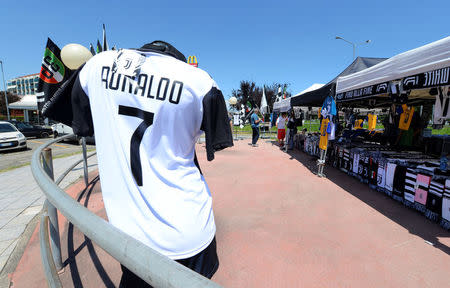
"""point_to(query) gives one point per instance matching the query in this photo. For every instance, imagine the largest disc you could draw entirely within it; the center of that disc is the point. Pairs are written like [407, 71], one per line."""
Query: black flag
[105, 43]
[53, 74]
[91, 47]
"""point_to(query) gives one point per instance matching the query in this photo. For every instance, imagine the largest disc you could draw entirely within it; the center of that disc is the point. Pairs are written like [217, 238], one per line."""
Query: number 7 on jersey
[136, 138]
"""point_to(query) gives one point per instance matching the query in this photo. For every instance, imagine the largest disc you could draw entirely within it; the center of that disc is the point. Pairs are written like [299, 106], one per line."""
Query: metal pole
[353, 44]
[85, 165]
[6, 97]
[310, 119]
[354, 48]
[52, 213]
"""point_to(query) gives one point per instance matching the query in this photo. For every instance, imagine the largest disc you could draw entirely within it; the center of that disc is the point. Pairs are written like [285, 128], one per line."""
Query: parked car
[60, 129]
[30, 130]
[11, 138]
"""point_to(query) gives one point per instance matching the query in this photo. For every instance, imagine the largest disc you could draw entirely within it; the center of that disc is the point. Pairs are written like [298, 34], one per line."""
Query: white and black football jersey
[148, 110]
[441, 106]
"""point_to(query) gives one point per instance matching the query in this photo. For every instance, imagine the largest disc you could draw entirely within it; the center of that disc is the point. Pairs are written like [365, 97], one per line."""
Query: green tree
[245, 91]
[11, 99]
[249, 93]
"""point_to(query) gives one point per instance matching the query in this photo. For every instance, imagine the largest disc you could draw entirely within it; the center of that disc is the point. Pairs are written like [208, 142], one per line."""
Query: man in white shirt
[281, 126]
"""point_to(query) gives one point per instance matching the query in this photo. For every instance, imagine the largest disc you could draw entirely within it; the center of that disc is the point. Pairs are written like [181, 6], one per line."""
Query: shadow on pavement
[410, 219]
[72, 253]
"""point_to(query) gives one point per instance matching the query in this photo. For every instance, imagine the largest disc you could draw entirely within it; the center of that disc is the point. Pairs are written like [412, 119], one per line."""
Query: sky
[262, 41]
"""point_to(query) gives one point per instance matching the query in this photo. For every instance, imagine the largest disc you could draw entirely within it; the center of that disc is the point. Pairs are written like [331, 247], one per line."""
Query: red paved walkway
[278, 225]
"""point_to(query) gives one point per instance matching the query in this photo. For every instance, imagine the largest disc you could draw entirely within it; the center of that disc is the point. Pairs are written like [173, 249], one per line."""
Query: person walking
[255, 121]
[152, 185]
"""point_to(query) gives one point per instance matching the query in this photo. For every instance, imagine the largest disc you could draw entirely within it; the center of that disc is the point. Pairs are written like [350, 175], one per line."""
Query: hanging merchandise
[328, 107]
[323, 144]
[298, 112]
[441, 106]
[406, 117]
[392, 114]
[358, 124]
[372, 121]
[331, 130]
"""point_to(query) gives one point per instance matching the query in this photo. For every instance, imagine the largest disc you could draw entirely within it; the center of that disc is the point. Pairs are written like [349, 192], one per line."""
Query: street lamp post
[6, 96]
[353, 44]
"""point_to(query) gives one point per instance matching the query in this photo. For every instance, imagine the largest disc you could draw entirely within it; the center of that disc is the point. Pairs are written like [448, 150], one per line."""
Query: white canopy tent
[28, 102]
[420, 68]
[285, 104]
[310, 88]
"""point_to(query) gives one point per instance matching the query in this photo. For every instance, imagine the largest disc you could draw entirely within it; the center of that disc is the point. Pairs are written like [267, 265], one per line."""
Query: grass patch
[315, 127]
[73, 153]
[14, 167]
[444, 131]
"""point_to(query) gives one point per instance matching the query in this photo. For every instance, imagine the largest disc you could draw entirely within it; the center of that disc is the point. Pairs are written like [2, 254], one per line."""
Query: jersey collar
[162, 47]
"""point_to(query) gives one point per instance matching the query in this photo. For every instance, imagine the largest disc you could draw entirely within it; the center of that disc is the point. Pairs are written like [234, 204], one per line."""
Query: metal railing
[153, 267]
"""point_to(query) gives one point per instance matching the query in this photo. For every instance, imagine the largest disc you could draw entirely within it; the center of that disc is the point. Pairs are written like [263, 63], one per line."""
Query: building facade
[26, 109]
[24, 85]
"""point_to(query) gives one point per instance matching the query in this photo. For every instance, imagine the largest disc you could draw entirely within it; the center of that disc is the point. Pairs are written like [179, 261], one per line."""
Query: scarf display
[422, 186]
[446, 201]
[434, 200]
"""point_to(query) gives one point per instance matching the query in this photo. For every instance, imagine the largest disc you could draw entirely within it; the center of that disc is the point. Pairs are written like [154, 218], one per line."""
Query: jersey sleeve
[82, 124]
[215, 123]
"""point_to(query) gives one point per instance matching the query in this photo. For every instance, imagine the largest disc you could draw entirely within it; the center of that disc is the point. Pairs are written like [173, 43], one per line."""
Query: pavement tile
[5, 221]
[3, 260]
[23, 203]
[12, 197]
[32, 210]
[11, 232]
[4, 245]
[21, 199]
[39, 202]
[7, 215]
[21, 219]
[5, 202]
[9, 249]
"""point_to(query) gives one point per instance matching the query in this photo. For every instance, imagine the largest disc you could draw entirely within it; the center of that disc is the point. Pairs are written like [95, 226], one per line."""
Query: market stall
[403, 160]
[411, 73]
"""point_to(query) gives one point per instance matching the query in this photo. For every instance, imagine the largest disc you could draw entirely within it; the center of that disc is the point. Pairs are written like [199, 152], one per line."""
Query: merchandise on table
[409, 191]
[422, 186]
[381, 176]
[434, 200]
[410, 177]
[445, 221]
[390, 171]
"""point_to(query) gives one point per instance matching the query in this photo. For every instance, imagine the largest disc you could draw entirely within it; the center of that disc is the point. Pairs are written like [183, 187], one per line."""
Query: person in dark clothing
[255, 121]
